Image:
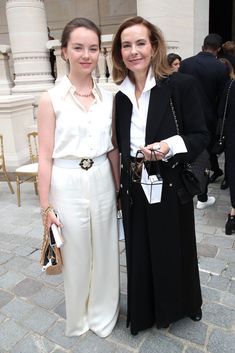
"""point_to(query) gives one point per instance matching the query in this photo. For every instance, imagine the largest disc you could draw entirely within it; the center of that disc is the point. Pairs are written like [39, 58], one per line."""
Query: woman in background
[224, 183]
[174, 61]
[229, 130]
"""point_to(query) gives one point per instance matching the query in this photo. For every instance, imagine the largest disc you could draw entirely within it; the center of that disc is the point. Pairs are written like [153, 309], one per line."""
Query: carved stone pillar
[5, 77]
[28, 36]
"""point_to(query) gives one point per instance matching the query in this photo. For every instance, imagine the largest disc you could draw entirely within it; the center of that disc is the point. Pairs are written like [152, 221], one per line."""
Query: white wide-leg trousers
[86, 203]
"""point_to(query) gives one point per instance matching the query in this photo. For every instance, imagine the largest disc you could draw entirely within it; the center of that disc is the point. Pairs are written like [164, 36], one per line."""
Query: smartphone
[55, 236]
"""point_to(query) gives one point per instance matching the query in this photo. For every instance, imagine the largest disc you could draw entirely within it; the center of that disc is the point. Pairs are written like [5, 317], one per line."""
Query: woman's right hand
[51, 218]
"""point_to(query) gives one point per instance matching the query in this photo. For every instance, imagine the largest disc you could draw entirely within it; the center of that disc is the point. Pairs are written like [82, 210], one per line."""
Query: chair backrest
[33, 146]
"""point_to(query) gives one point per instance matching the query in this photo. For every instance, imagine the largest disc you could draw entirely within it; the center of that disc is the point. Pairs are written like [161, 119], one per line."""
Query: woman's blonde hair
[159, 58]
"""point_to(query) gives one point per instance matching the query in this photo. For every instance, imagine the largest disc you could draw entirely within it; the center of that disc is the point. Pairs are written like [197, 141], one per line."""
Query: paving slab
[215, 266]
[56, 333]
[218, 282]
[60, 310]
[219, 315]
[10, 333]
[158, 343]
[5, 297]
[17, 309]
[47, 297]
[27, 287]
[189, 330]
[122, 335]
[39, 320]
[91, 343]
[9, 279]
[221, 341]
[33, 344]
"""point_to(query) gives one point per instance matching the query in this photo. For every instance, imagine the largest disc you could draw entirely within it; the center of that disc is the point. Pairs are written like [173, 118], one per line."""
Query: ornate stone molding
[27, 58]
[17, 1]
[32, 74]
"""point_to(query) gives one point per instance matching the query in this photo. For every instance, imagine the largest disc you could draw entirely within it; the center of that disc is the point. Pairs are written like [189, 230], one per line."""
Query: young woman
[75, 179]
[163, 279]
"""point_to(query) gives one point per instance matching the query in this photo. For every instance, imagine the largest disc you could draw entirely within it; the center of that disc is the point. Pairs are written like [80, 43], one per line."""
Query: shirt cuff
[176, 145]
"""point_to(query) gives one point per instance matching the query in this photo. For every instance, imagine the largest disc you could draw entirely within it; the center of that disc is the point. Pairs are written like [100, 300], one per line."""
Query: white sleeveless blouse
[80, 133]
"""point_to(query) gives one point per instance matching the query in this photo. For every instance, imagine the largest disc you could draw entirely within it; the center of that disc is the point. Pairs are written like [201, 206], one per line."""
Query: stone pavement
[32, 312]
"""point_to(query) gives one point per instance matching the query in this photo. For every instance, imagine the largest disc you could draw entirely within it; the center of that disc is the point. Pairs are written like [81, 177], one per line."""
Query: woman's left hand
[160, 149]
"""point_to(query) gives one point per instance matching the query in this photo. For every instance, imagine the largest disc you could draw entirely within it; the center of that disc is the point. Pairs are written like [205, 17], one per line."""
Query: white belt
[84, 163]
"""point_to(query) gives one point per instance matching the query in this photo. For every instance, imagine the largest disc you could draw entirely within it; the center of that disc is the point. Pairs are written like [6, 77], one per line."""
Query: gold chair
[29, 172]
[3, 165]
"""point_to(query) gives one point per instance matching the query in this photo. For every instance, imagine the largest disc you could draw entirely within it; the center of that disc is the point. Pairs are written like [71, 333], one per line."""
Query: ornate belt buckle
[86, 163]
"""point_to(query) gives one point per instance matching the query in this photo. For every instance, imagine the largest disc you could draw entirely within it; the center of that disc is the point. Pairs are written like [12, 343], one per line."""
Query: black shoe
[197, 316]
[230, 225]
[224, 185]
[215, 175]
[134, 333]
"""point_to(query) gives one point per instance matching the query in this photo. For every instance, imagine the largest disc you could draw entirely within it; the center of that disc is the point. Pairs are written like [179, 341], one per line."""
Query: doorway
[221, 18]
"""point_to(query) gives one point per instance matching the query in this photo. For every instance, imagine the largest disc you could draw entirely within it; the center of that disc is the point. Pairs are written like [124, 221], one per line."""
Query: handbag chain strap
[224, 114]
[174, 115]
[225, 111]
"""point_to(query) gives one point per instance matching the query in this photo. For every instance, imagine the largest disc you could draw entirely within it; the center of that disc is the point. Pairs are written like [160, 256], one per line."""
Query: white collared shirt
[139, 117]
[80, 133]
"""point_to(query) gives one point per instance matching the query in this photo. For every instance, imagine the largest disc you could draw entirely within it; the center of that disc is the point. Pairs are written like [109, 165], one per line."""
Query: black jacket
[211, 76]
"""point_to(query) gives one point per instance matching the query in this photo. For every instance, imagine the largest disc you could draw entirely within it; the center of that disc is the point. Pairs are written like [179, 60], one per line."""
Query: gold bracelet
[45, 211]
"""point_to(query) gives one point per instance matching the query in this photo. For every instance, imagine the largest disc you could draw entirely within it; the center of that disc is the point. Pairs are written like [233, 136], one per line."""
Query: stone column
[28, 36]
[5, 76]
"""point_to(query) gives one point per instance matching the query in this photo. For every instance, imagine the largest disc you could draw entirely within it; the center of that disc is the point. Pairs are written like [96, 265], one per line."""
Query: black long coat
[229, 131]
[211, 76]
[169, 252]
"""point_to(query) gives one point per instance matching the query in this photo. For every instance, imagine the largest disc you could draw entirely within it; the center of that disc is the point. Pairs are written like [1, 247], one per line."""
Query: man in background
[211, 76]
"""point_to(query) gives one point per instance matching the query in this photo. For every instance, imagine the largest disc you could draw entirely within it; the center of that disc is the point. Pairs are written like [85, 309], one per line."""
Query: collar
[206, 53]
[128, 88]
[66, 86]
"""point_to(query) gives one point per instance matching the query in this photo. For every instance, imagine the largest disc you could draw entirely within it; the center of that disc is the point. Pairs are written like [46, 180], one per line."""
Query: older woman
[163, 279]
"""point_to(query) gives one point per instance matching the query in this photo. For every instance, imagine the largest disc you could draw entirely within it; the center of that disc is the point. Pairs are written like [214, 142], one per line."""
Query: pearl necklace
[83, 95]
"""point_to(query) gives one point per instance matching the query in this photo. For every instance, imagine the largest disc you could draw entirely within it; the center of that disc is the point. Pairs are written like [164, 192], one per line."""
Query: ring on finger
[156, 146]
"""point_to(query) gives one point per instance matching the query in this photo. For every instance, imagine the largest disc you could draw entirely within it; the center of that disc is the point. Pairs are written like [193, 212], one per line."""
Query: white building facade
[25, 71]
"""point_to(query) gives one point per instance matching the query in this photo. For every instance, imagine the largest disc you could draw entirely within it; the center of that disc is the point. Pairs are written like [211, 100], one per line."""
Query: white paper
[152, 186]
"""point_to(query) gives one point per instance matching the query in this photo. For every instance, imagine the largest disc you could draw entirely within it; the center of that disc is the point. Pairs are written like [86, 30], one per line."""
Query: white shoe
[210, 201]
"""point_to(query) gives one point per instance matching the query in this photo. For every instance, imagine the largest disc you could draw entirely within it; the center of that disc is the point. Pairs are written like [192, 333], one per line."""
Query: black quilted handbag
[194, 175]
